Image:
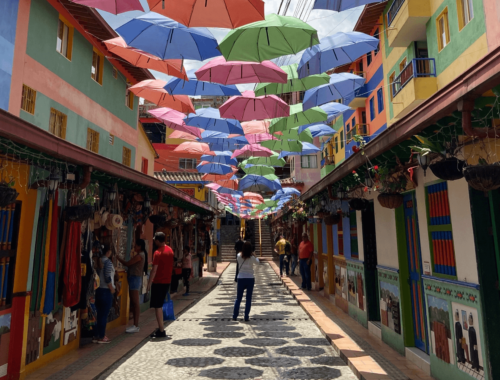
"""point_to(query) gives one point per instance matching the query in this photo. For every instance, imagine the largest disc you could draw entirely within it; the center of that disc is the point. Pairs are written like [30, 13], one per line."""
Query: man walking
[280, 250]
[159, 280]
[306, 249]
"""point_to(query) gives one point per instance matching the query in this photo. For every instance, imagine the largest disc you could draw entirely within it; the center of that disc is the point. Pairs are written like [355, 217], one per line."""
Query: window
[111, 139]
[336, 144]
[368, 58]
[377, 36]
[187, 163]
[28, 100]
[97, 66]
[64, 38]
[380, 100]
[57, 123]
[465, 12]
[309, 162]
[402, 65]
[126, 156]
[392, 85]
[115, 72]
[341, 139]
[347, 127]
[10, 225]
[292, 164]
[443, 30]
[363, 117]
[129, 99]
[353, 122]
[92, 140]
[340, 235]
[372, 108]
[144, 165]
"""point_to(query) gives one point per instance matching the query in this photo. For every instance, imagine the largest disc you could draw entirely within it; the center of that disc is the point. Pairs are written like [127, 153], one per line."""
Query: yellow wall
[144, 149]
[200, 192]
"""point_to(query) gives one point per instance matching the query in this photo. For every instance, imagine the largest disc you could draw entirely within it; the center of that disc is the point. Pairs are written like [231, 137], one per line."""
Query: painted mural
[355, 289]
[439, 320]
[351, 287]
[52, 335]
[4, 342]
[389, 306]
[70, 325]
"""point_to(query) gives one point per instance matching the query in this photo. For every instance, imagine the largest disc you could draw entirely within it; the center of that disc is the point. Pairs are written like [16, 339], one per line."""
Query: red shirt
[164, 258]
[306, 250]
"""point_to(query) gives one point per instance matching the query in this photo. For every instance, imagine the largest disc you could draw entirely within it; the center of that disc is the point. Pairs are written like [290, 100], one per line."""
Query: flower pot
[332, 219]
[449, 169]
[359, 204]
[483, 177]
[8, 195]
[390, 200]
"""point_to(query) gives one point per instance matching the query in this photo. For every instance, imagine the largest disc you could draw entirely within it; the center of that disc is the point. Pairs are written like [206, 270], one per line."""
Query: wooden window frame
[69, 44]
[392, 78]
[402, 64]
[93, 140]
[129, 99]
[336, 144]
[111, 139]
[443, 15]
[309, 162]
[115, 72]
[28, 100]
[98, 75]
[144, 165]
[342, 139]
[126, 156]
[58, 130]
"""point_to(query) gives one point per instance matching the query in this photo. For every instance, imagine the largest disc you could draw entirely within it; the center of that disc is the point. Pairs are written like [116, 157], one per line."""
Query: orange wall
[170, 160]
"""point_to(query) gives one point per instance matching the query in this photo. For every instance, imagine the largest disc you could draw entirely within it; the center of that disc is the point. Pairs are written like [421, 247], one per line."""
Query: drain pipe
[466, 106]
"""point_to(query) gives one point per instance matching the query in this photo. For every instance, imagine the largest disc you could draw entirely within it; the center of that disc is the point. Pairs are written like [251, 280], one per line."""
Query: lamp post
[423, 161]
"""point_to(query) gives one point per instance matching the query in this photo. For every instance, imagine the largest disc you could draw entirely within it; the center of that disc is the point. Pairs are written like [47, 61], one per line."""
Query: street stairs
[229, 235]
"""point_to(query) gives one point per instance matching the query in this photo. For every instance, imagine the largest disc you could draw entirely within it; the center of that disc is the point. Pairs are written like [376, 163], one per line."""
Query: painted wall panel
[359, 223]
[385, 227]
[8, 23]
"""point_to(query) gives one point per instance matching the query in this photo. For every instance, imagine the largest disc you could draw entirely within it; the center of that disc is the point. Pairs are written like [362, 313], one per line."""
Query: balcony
[406, 20]
[359, 129]
[328, 160]
[416, 83]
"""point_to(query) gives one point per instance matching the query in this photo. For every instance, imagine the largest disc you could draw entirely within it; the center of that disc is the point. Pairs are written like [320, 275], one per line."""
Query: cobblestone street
[279, 342]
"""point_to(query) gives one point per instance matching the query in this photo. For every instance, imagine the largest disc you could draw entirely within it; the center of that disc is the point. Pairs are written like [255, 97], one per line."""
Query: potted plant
[358, 204]
[8, 194]
[484, 176]
[390, 185]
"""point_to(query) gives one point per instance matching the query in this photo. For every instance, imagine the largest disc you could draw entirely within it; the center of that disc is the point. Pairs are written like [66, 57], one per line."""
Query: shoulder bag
[238, 269]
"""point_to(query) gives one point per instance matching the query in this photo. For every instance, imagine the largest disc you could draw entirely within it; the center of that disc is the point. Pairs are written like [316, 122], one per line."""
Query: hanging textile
[72, 265]
[45, 255]
[50, 286]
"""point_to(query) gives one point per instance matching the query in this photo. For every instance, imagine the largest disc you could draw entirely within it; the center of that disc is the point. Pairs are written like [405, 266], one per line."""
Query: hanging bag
[238, 269]
[168, 309]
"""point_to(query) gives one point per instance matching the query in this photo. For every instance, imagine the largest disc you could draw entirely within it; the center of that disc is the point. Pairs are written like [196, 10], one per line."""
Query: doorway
[370, 250]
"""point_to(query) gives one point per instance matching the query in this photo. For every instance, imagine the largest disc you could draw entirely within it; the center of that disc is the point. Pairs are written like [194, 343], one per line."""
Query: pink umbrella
[250, 195]
[145, 60]
[256, 126]
[194, 148]
[218, 70]
[152, 90]
[252, 150]
[182, 135]
[174, 120]
[112, 6]
[249, 107]
[259, 137]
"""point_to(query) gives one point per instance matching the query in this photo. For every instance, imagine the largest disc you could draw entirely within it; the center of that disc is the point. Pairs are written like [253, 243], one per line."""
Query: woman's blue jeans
[103, 302]
[248, 284]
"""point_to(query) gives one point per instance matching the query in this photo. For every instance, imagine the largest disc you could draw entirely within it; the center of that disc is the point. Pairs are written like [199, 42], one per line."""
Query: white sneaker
[132, 329]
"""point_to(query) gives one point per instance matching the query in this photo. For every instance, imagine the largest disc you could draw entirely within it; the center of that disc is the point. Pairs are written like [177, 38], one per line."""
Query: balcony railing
[416, 68]
[359, 129]
[394, 10]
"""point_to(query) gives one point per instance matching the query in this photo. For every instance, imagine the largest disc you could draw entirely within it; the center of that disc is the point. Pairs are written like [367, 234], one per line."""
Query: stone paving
[279, 342]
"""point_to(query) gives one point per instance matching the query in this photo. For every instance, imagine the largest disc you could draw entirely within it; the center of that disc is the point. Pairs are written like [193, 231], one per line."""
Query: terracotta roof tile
[178, 176]
[289, 181]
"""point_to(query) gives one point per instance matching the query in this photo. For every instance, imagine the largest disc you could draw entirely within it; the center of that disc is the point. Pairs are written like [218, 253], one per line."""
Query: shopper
[281, 251]
[294, 256]
[246, 279]
[134, 277]
[306, 249]
[159, 280]
[104, 293]
[186, 268]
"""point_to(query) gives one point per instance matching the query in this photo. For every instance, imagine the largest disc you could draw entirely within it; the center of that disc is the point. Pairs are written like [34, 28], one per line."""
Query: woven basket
[483, 177]
[449, 169]
[359, 204]
[390, 200]
[332, 219]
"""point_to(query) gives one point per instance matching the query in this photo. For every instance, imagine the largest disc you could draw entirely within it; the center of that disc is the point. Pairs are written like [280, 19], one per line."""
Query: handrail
[416, 68]
[394, 10]
[361, 130]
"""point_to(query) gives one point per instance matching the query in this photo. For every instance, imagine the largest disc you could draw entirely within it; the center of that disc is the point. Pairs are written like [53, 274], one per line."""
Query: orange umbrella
[252, 127]
[182, 135]
[229, 183]
[152, 90]
[194, 148]
[145, 60]
[212, 13]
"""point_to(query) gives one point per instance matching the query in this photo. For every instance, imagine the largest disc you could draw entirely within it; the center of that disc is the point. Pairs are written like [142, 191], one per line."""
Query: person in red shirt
[159, 280]
[306, 249]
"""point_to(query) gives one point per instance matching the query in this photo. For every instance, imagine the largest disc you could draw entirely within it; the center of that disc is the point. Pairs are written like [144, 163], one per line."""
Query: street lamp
[423, 161]
[112, 195]
[54, 180]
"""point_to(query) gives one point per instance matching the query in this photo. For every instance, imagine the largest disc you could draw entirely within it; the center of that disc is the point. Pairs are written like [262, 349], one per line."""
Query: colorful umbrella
[213, 136]
[342, 5]
[307, 148]
[193, 147]
[255, 126]
[336, 50]
[294, 134]
[167, 39]
[182, 135]
[223, 157]
[224, 190]
[259, 170]
[252, 196]
[228, 14]
[259, 137]
[194, 87]
[289, 191]
[214, 168]
[252, 182]
[334, 110]
[152, 90]
[270, 161]
[218, 70]
[263, 40]
[318, 130]
[293, 82]
[217, 177]
[283, 145]
[210, 119]
[298, 116]
[112, 6]
[252, 150]
[229, 183]
[249, 107]
[145, 60]
[341, 86]
[174, 120]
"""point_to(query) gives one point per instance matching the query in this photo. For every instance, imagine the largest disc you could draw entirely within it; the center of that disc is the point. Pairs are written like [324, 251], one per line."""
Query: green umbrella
[271, 38]
[286, 145]
[293, 134]
[259, 170]
[273, 160]
[267, 203]
[297, 118]
[293, 83]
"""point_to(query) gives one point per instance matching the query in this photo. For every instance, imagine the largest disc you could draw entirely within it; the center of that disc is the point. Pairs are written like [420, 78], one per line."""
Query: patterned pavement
[279, 342]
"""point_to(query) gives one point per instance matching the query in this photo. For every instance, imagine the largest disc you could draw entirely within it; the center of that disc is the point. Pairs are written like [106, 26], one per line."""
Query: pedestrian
[238, 246]
[294, 256]
[104, 293]
[246, 279]
[159, 280]
[134, 277]
[280, 250]
[186, 268]
[306, 249]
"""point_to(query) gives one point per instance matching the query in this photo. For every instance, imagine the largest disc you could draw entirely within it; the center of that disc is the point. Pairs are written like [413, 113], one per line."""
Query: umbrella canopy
[252, 196]
[298, 116]
[249, 107]
[145, 60]
[259, 137]
[307, 148]
[224, 190]
[194, 87]
[293, 82]
[217, 177]
[174, 120]
[336, 50]
[282, 197]
[294, 134]
[263, 40]
[112, 6]
[182, 135]
[289, 191]
[193, 147]
[213, 136]
[252, 182]
[317, 130]
[259, 170]
[341, 5]
[252, 150]
[218, 70]
[270, 161]
[214, 168]
[334, 110]
[167, 39]
[221, 157]
[229, 183]
[256, 126]
[340, 86]
[280, 145]
[210, 119]
[152, 90]
[228, 14]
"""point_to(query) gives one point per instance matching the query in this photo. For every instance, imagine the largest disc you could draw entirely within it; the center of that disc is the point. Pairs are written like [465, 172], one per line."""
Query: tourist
[294, 256]
[104, 293]
[134, 277]
[186, 268]
[281, 251]
[238, 246]
[246, 279]
[159, 280]
[306, 249]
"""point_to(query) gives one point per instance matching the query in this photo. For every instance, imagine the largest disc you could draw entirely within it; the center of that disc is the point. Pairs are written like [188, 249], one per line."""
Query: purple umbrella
[342, 5]
[112, 6]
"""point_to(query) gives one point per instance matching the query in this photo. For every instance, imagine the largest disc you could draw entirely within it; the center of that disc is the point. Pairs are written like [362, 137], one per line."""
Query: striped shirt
[107, 273]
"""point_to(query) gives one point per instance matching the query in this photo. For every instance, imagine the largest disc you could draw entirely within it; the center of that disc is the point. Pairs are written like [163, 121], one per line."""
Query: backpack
[288, 248]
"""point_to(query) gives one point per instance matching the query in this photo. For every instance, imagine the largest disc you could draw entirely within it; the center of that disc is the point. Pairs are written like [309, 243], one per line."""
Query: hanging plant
[358, 204]
[390, 200]
[8, 194]
[483, 177]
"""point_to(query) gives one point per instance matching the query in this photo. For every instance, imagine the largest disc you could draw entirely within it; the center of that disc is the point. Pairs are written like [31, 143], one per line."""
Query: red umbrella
[259, 137]
[194, 148]
[152, 90]
[174, 120]
[112, 6]
[182, 135]
[145, 60]
[218, 177]
[210, 13]
[253, 150]
[229, 183]
[249, 107]
[256, 126]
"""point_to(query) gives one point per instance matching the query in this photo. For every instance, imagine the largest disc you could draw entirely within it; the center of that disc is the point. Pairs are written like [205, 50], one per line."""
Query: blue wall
[8, 21]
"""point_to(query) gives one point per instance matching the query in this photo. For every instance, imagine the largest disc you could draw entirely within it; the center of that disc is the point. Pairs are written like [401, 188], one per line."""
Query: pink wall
[492, 13]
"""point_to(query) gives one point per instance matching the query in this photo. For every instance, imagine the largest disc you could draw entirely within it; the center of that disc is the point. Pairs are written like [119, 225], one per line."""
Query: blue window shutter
[372, 108]
[380, 96]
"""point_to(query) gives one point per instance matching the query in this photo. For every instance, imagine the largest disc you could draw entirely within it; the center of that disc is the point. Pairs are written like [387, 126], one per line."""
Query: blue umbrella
[333, 110]
[168, 39]
[225, 190]
[214, 168]
[253, 182]
[340, 86]
[341, 5]
[279, 196]
[318, 130]
[289, 191]
[336, 50]
[221, 157]
[176, 86]
[209, 119]
[212, 136]
[307, 148]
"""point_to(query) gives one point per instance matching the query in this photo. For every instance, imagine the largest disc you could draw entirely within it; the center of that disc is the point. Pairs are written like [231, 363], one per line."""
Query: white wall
[359, 224]
[422, 214]
[385, 227]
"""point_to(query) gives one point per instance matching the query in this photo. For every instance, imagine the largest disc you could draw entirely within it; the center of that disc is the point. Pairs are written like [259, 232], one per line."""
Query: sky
[325, 22]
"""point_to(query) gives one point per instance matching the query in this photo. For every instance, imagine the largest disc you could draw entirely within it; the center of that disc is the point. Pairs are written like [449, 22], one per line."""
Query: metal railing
[394, 10]
[416, 68]
[328, 160]
[359, 129]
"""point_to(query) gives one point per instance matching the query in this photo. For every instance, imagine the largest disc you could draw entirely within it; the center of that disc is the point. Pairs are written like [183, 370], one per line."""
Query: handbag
[238, 270]
[168, 309]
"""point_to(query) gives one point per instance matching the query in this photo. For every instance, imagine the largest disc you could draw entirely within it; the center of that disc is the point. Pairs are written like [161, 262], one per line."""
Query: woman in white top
[246, 279]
